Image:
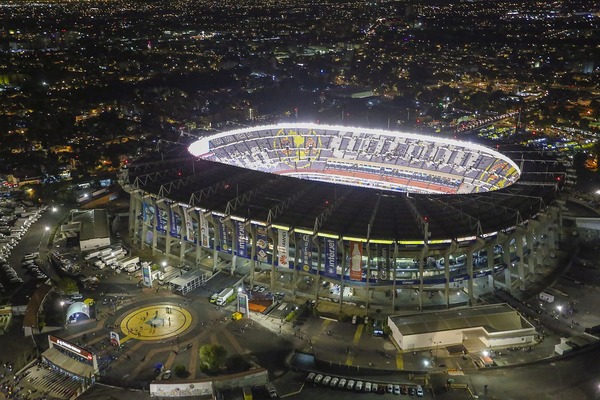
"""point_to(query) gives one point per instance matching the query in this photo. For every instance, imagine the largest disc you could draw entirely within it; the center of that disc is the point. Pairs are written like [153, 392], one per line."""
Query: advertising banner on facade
[304, 246]
[159, 222]
[242, 239]
[174, 223]
[383, 262]
[187, 225]
[262, 244]
[225, 239]
[330, 250]
[283, 246]
[145, 212]
[356, 253]
[204, 239]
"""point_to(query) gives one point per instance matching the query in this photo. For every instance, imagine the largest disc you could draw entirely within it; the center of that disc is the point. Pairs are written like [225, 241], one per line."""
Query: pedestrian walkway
[156, 322]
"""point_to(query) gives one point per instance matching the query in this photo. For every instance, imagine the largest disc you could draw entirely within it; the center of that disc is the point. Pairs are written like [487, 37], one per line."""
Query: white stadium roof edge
[203, 147]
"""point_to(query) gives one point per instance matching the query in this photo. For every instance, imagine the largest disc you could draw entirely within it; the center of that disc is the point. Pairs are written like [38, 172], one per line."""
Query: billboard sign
[173, 222]
[330, 258]
[383, 262]
[283, 246]
[242, 239]
[304, 245]
[225, 245]
[55, 341]
[204, 239]
[242, 304]
[147, 274]
[262, 244]
[356, 253]
[187, 226]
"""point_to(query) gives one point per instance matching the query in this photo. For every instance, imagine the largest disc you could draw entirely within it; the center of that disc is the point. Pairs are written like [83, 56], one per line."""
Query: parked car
[359, 386]
[326, 380]
[318, 378]
[342, 383]
[350, 384]
[420, 391]
[367, 386]
[334, 381]
[311, 377]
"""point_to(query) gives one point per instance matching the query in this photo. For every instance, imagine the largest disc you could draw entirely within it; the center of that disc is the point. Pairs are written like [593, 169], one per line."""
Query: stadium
[352, 216]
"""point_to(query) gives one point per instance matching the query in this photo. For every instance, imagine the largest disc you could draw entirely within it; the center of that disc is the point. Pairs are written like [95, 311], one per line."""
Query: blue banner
[144, 212]
[330, 250]
[225, 244]
[304, 249]
[262, 244]
[174, 222]
[159, 220]
[242, 239]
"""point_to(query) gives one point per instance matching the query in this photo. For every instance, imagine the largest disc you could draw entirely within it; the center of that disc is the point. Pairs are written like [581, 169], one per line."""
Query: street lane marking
[357, 335]
[399, 361]
[324, 326]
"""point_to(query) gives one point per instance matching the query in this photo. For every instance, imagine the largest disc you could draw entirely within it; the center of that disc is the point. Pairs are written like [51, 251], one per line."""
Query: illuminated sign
[71, 347]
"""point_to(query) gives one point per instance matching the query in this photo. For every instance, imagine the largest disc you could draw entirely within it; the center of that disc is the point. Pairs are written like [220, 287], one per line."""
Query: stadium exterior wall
[162, 224]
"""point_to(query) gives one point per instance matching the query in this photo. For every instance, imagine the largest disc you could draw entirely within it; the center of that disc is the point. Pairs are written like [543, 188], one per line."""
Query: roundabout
[155, 322]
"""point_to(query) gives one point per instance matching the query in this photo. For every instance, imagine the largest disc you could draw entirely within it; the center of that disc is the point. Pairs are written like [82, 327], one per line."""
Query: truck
[131, 260]
[132, 267]
[167, 276]
[92, 254]
[224, 296]
[547, 297]
[105, 252]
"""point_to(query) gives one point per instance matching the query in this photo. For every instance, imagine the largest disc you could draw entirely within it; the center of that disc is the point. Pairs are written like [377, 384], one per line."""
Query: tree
[212, 357]
[67, 286]
[180, 371]
[236, 363]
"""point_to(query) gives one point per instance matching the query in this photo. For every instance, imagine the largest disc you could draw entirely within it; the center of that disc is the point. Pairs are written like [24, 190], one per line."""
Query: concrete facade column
[144, 233]
[135, 209]
[168, 237]
[368, 275]
[154, 227]
[518, 235]
[216, 241]
[470, 273]
[182, 232]
[198, 248]
[447, 254]
[531, 259]
[393, 267]
[345, 265]
[489, 248]
[317, 247]
[250, 231]
[296, 258]
[422, 256]
[506, 260]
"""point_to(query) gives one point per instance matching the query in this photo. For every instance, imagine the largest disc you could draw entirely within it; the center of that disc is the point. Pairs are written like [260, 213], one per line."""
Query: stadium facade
[366, 211]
